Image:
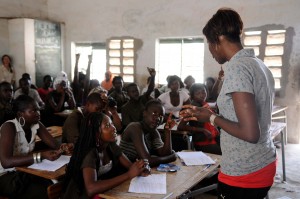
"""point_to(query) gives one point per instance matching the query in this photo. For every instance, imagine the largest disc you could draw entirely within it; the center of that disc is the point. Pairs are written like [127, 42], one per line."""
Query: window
[98, 66]
[181, 57]
[268, 46]
[121, 58]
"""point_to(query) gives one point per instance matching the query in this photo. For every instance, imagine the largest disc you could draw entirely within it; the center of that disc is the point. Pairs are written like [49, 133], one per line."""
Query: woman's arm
[56, 107]
[7, 141]
[94, 186]
[247, 127]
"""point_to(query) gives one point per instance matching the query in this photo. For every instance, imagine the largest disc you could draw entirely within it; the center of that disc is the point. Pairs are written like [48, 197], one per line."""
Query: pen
[167, 196]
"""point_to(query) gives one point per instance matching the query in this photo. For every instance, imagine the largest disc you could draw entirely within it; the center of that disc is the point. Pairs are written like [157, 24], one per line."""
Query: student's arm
[94, 186]
[151, 83]
[71, 101]
[112, 112]
[8, 160]
[71, 127]
[87, 78]
[46, 137]
[183, 126]
[76, 77]
[125, 161]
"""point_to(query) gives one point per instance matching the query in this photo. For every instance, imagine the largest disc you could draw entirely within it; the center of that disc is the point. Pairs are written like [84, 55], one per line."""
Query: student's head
[26, 75]
[94, 83]
[24, 84]
[6, 60]
[95, 102]
[189, 81]
[26, 110]
[174, 83]
[153, 114]
[6, 92]
[118, 83]
[108, 75]
[96, 131]
[48, 81]
[209, 83]
[133, 91]
[227, 25]
[61, 82]
[198, 93]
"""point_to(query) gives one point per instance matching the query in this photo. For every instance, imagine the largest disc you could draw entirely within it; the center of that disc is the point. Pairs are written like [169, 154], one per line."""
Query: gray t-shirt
[246, 73]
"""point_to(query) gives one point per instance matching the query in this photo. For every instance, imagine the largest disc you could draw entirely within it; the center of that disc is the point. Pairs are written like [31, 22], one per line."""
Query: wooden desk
[55, 131]
[64, 113]
[279, 113]
[51, 175]
[178, 183]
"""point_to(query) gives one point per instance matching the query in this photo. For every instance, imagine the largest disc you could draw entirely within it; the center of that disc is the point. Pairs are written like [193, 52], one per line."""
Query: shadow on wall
[287, 49]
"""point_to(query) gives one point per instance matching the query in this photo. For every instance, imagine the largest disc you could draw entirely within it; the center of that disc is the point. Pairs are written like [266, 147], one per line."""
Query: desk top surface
[177, 183]
[51, 175]
[64, 113]
[55, 131]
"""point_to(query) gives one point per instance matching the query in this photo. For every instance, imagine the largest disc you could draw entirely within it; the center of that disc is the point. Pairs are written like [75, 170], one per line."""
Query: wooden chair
[54, 191]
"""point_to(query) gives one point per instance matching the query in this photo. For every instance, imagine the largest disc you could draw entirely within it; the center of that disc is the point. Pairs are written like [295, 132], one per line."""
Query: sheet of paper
[152, 184]
[195, 158]
[48, 165]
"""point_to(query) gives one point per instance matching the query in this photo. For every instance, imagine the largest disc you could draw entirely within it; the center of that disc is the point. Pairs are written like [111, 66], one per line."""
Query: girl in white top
[174, 99]
[7, 72]
[17, 141]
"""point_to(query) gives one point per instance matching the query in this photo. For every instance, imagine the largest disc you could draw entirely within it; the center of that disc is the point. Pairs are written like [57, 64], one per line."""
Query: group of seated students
[98, 163]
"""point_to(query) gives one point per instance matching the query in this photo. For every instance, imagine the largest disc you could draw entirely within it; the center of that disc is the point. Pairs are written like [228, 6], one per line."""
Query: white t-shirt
[166, 101]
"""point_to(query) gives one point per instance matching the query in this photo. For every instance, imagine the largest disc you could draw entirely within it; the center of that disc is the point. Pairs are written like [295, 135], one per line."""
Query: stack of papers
[48, 165]
[152, 184]
[195, 158]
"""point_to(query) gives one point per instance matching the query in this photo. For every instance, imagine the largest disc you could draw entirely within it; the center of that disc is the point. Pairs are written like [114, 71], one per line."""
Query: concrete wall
[97, 20]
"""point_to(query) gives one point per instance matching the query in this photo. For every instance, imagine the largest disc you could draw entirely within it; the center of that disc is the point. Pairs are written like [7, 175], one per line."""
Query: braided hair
[86, 142]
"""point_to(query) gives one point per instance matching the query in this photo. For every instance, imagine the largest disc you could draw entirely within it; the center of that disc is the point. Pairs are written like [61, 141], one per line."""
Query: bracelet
[38, 158]
[212, 119]
[34, 158]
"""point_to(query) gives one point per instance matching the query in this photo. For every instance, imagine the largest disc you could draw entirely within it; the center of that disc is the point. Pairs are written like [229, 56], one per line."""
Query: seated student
[95, 154]
[205, 136]
[107, 82]
[47, 87]
[56, 101]
[173, 100]
[188, 81]
[27, 76]
[118, 94]
[17, 141]
[132, 111]
[6, 96]
[141, 140]
[26, 90]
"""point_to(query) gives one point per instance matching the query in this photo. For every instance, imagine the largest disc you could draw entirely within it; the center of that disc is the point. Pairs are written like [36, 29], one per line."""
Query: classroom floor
[291, 188]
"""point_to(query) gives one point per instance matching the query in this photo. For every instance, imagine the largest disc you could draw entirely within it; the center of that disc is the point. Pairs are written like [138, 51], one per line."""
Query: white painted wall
[4, 46]
[97, 20]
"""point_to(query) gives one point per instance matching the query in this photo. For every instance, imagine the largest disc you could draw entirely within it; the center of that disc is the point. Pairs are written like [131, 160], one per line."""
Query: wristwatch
[212, 119]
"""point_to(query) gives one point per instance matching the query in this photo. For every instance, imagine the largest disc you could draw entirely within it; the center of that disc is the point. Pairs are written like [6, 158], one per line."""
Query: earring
[20, 121]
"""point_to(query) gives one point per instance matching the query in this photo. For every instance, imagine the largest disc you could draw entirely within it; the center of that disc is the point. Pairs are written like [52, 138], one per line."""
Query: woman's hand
[50, 155]
[66, 148]
[170, 123]
[151, 71]
[136, 169]
[194, 113]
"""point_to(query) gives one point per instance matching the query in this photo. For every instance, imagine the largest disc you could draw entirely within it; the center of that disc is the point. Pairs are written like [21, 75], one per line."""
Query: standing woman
[245, 103]
[17, 141]
[95, 155]
[7, 72]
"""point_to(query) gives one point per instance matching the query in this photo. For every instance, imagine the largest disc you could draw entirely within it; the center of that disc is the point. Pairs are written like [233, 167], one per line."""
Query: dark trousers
[22, 185]
[229, 192]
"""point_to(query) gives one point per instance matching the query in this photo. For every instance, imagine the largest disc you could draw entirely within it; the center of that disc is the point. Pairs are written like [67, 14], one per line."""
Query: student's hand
[170, 123]
[194, 113]
[136, 169]
[151, 71]
[77, 56]
[66, 148]
[68, 92]
[50, 155]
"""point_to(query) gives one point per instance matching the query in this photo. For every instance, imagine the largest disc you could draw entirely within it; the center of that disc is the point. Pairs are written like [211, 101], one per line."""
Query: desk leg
[283, 155]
